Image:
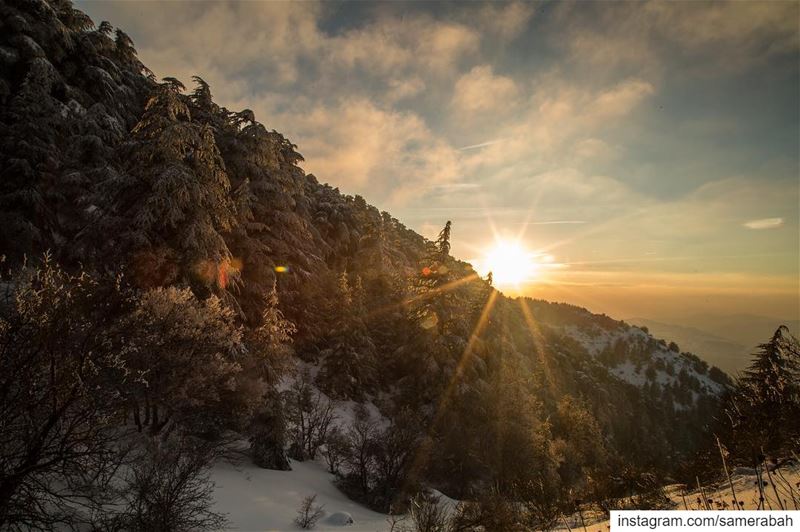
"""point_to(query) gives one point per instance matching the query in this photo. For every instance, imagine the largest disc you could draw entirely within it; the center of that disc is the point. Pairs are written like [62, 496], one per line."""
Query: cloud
[715, 35]
[475, 114]
[749, 28]
[620, 99]
[245, 49]
[481, 90]
[506, 21]
[594, 149]
[764, 223]
[701, 222]
[385, 154]
[235, 46]
[572, 189]
[557, 118]
[447, 42]
[400, 89]
[390, 45]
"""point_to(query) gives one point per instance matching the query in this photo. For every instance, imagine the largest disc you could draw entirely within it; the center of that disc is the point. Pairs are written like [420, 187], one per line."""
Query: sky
[643, 155]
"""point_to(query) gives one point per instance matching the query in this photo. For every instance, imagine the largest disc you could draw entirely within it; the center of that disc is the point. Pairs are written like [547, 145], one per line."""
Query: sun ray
[473, 338]
[421, 456]
[538, 342]
[421, 297]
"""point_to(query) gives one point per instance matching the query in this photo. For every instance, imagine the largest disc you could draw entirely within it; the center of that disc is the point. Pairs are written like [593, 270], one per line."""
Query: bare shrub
[58, 400]
[650, 494]
[169, 489]
[309, 513]
[426, 514]
[335, 450]
[359, 457]
[310, 415]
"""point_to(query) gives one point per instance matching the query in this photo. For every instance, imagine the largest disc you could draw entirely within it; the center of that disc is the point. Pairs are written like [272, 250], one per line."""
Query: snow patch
[264, 499]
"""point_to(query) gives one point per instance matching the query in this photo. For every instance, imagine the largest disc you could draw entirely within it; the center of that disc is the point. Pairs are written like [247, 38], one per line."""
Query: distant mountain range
[726, 341]
[747, 329]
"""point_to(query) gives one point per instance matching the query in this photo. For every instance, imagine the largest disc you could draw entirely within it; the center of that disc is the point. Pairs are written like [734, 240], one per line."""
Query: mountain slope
[108, 168]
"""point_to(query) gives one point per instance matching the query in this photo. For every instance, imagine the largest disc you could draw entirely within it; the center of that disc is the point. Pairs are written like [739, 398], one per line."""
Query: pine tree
[270, 341]
[344, 295]
[175, 196]
[431, 306]
[764, 409]
[269, 435]
[349, 365]
[443, 242]
[773, 375]
[359, 298]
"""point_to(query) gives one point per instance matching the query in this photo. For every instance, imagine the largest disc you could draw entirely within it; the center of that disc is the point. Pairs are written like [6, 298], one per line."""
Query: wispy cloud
[481, 145]
[764, 223]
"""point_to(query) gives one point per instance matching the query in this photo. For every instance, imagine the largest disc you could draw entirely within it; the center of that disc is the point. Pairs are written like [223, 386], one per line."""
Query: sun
[510, 264]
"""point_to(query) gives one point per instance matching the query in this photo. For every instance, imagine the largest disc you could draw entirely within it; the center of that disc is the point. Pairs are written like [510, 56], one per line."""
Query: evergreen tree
[349, 365]
[443, 242]
[344, 297]
[270, 341]
[582, 446]
[174, 199]
[269, 435]
[359, 299]
[764, 408]
[431, 305]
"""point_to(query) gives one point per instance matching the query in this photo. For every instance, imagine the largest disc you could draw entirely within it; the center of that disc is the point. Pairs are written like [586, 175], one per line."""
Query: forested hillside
[187, 280]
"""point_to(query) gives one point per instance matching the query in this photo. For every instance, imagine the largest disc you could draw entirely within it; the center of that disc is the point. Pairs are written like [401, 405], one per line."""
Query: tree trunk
[136, 418]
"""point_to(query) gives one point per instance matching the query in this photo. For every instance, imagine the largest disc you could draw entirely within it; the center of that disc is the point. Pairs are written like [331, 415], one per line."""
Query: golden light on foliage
[510, 263]
[219, 273]
[430, 321]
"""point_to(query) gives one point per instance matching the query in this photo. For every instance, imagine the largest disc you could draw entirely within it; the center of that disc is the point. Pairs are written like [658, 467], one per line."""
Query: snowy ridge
[637, 358]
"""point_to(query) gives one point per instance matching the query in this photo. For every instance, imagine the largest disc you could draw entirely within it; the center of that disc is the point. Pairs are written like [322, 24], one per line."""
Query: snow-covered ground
[256, 499]
[784, 487]
[720, 496]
